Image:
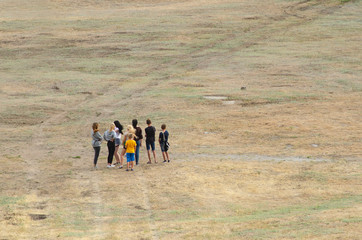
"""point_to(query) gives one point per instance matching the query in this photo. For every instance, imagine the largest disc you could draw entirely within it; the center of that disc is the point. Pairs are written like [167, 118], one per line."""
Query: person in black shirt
[163, 140]
[150, 132]
[138, 139]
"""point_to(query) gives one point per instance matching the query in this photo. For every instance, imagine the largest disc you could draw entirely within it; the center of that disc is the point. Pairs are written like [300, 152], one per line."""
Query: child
[130, 130]
[150, 132]
[163, 140]
[96, 143]
[119, 133]
[110, 136]
[130, 150]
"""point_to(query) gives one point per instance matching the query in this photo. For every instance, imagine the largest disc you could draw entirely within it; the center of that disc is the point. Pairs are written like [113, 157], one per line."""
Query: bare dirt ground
[262, 100]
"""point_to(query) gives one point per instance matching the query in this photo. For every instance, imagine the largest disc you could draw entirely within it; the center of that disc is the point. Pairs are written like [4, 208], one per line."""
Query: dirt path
[146, 202]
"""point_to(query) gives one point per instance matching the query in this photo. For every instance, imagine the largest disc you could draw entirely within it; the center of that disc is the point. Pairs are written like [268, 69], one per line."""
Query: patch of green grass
[310, 175]
[352, 220]
[75, 234]
[6, 200]
[283, 212]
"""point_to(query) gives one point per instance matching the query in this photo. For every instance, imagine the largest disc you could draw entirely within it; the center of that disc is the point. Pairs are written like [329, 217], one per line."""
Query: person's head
[130, 129]
[118, 125]
[163, 126]
[111, 128]
[130, 136]
[148, 121]
[134, 123]
[95, 127]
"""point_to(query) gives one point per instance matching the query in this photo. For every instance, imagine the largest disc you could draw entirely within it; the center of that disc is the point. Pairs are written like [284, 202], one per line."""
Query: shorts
[118, 142]
[163, 147]
[150, 145]
[130, 157]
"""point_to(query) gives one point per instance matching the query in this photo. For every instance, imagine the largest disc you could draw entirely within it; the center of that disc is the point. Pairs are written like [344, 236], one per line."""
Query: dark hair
[163, 126]
[148, 121]
[134, 123]
[119, 126]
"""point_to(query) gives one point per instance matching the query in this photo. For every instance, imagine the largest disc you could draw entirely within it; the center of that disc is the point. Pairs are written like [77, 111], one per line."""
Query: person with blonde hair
[96, 142]
[110, 136]
[130, 150]
[130, 130]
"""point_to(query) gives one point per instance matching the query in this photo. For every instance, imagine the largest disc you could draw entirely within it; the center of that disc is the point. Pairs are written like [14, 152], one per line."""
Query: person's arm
[113, 136]
[104, 136]
[98, 136]
[141, 136]
[124, 138]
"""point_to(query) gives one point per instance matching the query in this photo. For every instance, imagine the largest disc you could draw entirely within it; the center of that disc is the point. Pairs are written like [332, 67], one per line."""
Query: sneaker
[95, 168]
[127, 169]
[110, 166]
[164, 161]
[131, 169]
[149, 162]
[120, 167]
[169, 160]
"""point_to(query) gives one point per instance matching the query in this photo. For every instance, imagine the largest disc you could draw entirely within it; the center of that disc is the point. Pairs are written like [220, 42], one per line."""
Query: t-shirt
[109, 135]
[118, 134]
[161, 136]
[150, 134]
[131, 146]
[138, 133]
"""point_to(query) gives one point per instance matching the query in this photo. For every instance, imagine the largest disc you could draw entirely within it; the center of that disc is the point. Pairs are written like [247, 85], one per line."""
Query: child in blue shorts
[130, 151]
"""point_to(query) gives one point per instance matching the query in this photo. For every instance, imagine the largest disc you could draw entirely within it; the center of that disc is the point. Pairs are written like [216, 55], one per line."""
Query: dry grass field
[262, 100]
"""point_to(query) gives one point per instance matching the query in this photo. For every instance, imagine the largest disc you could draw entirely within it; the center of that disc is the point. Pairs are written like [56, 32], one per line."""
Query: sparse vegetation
[282, 161]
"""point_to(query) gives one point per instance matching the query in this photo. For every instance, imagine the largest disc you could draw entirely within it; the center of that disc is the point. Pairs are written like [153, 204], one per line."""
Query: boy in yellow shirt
[130, 150]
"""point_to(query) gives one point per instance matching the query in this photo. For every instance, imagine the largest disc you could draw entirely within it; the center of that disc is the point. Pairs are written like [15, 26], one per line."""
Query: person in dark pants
[110, 136]
[138, 139]
[150, 132]
[96, 143]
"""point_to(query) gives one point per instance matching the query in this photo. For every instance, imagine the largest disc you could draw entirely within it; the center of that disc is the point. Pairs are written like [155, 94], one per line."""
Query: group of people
[130, 142]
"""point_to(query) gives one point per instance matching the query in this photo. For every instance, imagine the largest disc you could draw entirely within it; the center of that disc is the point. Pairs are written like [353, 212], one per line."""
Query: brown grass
[281, 162]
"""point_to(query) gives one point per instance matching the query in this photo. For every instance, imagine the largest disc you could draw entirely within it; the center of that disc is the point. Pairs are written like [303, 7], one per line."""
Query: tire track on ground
[36, 153]
[148, 207]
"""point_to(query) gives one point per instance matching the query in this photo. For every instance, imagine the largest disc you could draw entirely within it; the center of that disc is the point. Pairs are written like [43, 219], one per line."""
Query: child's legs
[153, 151]
[96, 154]
[122, 155]
[137, 154]
[132, 160]
[162, 146]
[148, 146]
[116, 154]
[128, 159]
[110, 146]
[154, 155]
[168, 157]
